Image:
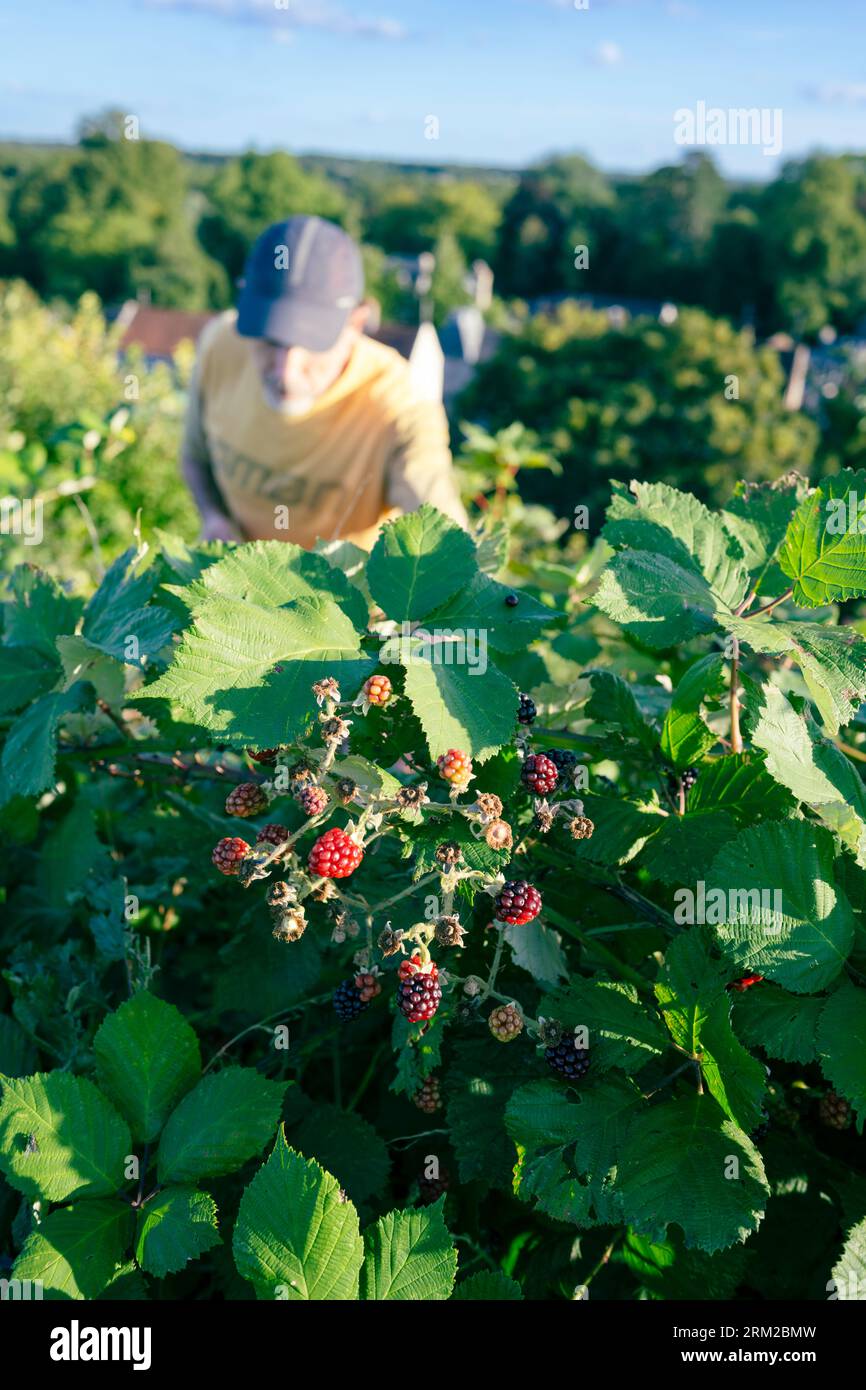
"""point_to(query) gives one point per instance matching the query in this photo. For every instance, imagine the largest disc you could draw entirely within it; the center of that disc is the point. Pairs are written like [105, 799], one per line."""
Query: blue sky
[508, 80]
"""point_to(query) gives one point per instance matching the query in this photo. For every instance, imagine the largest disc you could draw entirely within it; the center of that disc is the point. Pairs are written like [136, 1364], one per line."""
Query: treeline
[126, 217]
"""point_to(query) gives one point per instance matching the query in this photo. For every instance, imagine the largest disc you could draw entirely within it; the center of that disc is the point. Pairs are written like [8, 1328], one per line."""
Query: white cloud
[838, 93]
[607, 54]
[330, 17]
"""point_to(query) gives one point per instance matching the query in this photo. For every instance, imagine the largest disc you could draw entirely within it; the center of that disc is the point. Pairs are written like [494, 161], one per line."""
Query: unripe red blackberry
[745, 982]
[312, 800]
[526, 710]
[419, 994]
[429, 1097]
[273, 834]
[834, 1111]
[580, 828]
[378, 690]
[518, 902]
[455, 767]
[247, 799]
[498, 835]
[568, 1059]
[229, 854]
[506, 1023]
[334, 855]
[539, 774]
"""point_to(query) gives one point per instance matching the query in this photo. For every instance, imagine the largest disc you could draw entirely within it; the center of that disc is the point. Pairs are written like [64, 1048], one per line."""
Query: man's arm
[195, 464]
[420, 468]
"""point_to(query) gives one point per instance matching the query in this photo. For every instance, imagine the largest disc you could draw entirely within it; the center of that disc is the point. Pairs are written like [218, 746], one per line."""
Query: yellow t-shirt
[368, 449]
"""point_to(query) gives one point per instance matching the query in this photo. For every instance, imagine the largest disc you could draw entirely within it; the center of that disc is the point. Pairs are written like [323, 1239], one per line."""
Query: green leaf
[779, 914]
[480, 613]
[25, 674]
[824, 556]
[660, 602]
[274, 574]
[685, 738]
[622, 1033]
[676, 1167]
[147, 1058]
[27, 766]
[622, 828]
[461, 706]
[174, 1227]
[118, 611]
[224, 1120]
[480, 1084]
[849, 1272]
[60, 1138]
[832, 659]
[82, 661]
[784, 1025]
[613, 705]
[76, 1251]
[418, 562]
[39, 613]
[842, 1046]
[686, 846]
[409, 1255]
[347, 1146]
[489, 1287]
[697, 1010]
[537, 949]
[740, 786]
[296, 1236]
[758, 514]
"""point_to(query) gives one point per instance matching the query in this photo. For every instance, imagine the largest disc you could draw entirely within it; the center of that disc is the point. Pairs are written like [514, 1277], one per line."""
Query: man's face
[294, 378]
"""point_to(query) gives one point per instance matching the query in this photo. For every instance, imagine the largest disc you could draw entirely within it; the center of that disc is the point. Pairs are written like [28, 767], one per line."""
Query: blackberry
[689, 777]
[518, 902]
[247, 799]
[455, 767]
[834, 1111]
[419, 994]
[377, 690]
[526, 710]
[431, 1189]
[511, 600]
[563, 759]
[539, 774]
[429, 1097]
[312, 800]
[568, 1059]
[334, 855]
[348, 1000]
[506, 1023]
[229, 854]
[273, 835]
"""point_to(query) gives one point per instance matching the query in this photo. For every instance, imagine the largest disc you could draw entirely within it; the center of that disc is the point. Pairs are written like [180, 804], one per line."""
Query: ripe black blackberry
[347, 1000]
[526, 710]
[568, 1059]
[431, 1189]
[689, 777]
[511, 600]
[518, 902]
[563, 760]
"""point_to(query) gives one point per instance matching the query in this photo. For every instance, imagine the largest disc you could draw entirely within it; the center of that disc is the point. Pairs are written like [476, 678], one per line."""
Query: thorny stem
[736, 736]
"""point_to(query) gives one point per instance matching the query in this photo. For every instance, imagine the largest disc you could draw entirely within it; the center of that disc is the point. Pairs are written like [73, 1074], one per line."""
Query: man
[298, 425]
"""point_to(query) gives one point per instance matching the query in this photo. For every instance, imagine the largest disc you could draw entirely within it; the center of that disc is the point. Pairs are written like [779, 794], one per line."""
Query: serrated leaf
[740, 786]
[27, 765]
[461, 706]
[60, 1138]
[39, 613]
[781, 915]
[480, 613]
[758, 514]
[174, 1227]
[224, 1120]
[121, 609]
[622, 828]
[490, 1287]
[622, 1032]
[685, 738]
[537, 949]
[613, 705]
[675, 1168]
[409, 1255]
[82, 661]
[480, 1084]
[832, 660]
[849, 1273]
[842, 1045]
[75, 1252]
[347, 1146]
[822, 554]
[25, 674]
[296, 1237]
[418, 562]
[660, 602]
[147, 1058]
[686, 846]
[784, 1025]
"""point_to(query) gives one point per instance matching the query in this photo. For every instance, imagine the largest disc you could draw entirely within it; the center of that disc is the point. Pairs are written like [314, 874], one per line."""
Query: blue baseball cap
[302, 279]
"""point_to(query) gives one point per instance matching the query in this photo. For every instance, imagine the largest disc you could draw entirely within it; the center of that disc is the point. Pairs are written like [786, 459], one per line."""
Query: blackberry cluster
[539, 774]
[429, 1097]
[526, 710]
[419, 995]
[689, 777]
[834, 1111]
[273, 835]
[568, 1059]
[518, 903]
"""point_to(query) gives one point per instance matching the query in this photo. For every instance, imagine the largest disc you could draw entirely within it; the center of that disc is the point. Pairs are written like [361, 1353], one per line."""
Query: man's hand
[215, 526]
